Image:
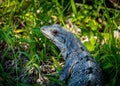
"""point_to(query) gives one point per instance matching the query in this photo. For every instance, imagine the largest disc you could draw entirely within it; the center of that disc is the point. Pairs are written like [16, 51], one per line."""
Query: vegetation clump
[28, 58]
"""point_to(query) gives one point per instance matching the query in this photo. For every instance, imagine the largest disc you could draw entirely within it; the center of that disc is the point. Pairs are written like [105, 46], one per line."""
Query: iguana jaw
[58, 39]
[48, 33]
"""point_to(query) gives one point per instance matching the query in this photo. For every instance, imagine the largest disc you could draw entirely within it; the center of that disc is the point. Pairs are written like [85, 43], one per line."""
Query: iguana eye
[55, 32]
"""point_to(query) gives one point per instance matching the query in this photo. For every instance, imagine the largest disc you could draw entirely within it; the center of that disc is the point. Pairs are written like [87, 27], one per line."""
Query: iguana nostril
[43, 28]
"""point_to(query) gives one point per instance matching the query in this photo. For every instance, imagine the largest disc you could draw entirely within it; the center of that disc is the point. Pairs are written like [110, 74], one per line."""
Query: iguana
[82, 69]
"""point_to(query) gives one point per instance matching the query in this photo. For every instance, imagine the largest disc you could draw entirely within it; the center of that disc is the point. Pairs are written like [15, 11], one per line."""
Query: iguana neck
[72, 45]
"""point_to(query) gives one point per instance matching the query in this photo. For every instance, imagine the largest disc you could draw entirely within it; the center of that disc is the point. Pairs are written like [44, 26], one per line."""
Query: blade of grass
[73, 7]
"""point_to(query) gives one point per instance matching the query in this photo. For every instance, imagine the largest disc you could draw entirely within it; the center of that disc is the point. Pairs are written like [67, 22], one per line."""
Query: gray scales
[82, 69]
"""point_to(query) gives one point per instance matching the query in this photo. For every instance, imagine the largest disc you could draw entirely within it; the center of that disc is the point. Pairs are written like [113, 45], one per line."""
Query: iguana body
[80, 66]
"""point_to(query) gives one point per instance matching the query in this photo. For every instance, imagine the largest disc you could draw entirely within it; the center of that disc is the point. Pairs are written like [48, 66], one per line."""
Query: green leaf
[56, 63]
[107, 65]
[89, 46]
[92, 40]
[73, 7]
[113, 81]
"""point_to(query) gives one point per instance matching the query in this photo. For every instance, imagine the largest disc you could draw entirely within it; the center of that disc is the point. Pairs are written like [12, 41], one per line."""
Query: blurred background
[27, 58]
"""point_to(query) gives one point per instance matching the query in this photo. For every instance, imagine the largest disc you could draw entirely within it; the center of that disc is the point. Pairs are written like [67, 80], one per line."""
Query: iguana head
[59, 36]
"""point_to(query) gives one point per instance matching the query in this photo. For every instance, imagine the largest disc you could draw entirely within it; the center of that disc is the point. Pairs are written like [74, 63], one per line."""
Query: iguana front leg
[66, 71]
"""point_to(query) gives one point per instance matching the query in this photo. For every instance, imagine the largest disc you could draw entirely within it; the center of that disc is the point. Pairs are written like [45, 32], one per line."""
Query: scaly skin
[82, 69]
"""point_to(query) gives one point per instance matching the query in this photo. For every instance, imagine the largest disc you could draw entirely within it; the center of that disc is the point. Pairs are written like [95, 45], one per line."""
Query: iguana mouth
[46, 35]
[51, 39]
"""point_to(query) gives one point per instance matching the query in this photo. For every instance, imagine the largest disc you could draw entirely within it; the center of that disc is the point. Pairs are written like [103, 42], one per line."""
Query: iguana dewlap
[82, 69]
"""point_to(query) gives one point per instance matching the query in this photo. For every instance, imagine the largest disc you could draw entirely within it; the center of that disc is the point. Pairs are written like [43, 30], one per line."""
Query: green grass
[28, 58]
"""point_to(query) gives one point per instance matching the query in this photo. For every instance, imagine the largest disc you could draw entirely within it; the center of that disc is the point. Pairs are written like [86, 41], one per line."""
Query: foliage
[26, 56]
